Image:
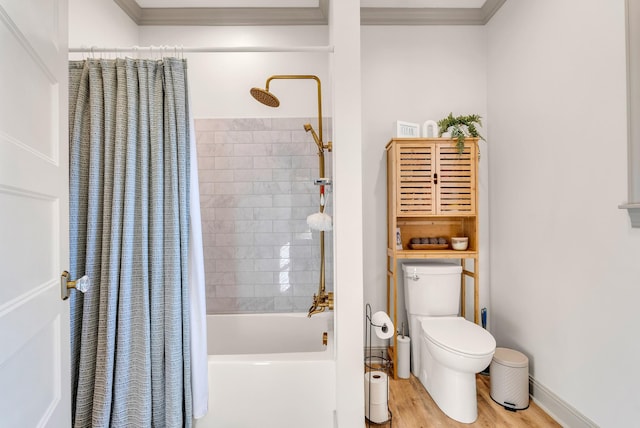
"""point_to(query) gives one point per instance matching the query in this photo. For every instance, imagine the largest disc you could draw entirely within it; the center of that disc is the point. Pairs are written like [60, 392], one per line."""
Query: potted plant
[460, 127]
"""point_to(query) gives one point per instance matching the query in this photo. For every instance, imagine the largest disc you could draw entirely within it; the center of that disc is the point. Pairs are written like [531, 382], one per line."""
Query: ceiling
[307, 12]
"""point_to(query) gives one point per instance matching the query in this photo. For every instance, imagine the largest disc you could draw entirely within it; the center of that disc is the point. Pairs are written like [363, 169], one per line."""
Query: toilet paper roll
[404, 357]
[379, 383]
[382, 325]
[379, 413]
[376, 395]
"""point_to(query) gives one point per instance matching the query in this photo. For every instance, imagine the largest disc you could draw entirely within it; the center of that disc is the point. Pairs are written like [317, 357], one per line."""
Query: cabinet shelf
[431, 254]
[431, 193]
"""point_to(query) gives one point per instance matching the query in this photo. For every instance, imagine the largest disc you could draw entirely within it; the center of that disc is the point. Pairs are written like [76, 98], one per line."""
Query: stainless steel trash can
[509, 379]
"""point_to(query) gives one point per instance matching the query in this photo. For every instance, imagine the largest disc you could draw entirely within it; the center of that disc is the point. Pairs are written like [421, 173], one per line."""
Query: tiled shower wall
[256, 191]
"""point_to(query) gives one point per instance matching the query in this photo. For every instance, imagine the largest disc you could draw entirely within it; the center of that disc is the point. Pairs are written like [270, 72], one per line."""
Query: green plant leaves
[461, 127]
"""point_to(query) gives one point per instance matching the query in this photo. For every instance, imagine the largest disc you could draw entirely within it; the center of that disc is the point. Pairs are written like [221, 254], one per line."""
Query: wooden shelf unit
[431, 192]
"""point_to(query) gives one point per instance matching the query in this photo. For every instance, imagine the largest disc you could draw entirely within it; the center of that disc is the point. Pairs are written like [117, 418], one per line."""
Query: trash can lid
[510, 358]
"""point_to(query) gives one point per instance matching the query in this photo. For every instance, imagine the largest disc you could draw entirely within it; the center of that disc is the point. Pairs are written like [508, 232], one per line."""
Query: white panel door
[34, 321]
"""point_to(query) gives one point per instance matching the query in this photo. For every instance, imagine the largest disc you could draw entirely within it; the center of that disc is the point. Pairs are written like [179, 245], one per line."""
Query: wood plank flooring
[412, 407]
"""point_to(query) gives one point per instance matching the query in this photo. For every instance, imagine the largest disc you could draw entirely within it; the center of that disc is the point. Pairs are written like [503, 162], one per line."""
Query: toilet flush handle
[414, 277]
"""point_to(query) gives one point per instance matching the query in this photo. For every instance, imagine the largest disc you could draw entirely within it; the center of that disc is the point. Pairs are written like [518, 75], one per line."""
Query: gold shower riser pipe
[303, 76]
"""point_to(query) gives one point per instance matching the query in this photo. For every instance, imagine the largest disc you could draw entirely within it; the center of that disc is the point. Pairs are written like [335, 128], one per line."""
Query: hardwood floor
[412, 407]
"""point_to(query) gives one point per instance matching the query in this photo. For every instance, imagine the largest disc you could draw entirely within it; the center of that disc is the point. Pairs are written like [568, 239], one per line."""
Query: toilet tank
[432, 288]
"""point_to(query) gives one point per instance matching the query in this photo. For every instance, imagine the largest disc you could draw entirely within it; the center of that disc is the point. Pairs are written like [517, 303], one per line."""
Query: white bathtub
[270, 370]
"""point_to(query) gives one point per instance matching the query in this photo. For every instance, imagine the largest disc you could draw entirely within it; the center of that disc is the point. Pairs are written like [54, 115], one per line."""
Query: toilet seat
[459, 336]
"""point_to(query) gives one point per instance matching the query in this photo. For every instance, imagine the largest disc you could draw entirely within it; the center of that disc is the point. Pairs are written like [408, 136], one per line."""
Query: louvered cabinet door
[456, 179]
[415, 193]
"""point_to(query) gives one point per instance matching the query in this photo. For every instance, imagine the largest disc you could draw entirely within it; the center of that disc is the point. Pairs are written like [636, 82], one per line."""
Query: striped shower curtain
[129, 232]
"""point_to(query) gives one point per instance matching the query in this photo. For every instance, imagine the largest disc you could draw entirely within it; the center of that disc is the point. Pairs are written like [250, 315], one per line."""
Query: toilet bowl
[453, 350]
[447, 350]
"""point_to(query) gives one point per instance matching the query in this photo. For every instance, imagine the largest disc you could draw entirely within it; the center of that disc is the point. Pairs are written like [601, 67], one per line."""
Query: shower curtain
[130, 210]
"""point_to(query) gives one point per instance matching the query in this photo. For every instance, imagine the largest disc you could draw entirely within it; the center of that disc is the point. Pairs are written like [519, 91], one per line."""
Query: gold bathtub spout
[321, 302]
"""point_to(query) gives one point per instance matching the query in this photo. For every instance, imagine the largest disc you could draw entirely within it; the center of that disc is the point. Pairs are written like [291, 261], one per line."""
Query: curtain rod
[209, 49]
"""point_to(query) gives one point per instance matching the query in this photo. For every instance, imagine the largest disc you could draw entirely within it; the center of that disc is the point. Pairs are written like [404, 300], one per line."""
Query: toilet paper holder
[383, 327]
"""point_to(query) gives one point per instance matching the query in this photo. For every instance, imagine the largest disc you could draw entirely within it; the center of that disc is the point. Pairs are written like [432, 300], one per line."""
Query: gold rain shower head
[265, 97]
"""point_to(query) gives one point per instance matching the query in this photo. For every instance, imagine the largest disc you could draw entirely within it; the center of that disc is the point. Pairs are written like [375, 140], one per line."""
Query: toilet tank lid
[432, 267]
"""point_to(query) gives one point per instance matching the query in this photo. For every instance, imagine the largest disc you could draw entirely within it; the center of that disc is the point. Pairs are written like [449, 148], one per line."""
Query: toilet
[446, 350]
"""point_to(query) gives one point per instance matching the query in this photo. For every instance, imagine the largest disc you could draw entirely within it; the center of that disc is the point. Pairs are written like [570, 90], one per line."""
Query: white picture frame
[404, 129]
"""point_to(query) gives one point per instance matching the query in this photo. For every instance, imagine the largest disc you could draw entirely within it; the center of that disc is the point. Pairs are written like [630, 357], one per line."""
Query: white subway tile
[233, 138]
[275, 137]
[272, 187]
[271, 162]
[293, 200]
[257, 278]
[252, 150]
[254, 252]
[279, 213]
[233, 188]
[299, 149]
[256, 201]
[233, 239]
[204, 138]
[310, 162]
[217, 226]
[215, 150]
[269, 290]
[234, 213]
[262, 226]
[233, 266]
[233, 162]
[271, 265]
[272, 238]
[293, 226]
[235, 290]
[251, 124]
[253, 175]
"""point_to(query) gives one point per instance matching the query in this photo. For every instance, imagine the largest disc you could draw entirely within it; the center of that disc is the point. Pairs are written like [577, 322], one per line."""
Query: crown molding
[226, 15]
[306, 15]
[429, 15]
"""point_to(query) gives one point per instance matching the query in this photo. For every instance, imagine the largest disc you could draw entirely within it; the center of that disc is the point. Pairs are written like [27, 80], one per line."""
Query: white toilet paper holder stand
[369, 358]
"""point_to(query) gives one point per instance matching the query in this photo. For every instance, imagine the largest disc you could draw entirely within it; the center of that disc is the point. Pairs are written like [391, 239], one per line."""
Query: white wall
[416, 73]
[348, 164]
[565, 269]
[220, 82]
[100, 23]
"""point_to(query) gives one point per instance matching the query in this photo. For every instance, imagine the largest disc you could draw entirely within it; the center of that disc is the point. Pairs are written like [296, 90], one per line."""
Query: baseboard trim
[558, 409]
[377, 353]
